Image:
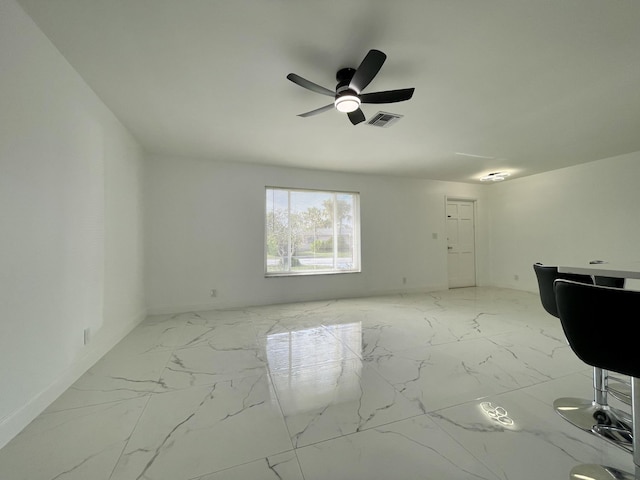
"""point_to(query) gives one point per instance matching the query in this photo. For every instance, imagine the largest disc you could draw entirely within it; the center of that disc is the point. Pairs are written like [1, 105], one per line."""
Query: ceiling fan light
[347, 103]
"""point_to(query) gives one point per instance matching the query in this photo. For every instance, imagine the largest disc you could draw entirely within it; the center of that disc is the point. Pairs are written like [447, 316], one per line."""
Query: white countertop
[620, 270]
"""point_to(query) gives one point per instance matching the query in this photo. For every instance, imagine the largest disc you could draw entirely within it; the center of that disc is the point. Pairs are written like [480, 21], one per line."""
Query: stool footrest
[621, 391]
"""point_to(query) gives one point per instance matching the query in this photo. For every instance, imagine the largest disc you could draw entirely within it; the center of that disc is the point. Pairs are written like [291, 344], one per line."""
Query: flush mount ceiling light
[495, 177]
[347, 101]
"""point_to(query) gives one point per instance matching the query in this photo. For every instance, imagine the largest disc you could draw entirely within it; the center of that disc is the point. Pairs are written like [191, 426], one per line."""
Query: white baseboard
[222, 305]
[14, 423]
[173, 309]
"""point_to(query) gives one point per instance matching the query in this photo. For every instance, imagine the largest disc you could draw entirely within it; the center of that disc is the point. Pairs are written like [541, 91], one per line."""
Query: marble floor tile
[333, 399]
[517, 437]
[115, 377]
[200, 331]
[206, 365]
[444, 375]
[155, 333]
[294, 349]
[274, 319]
[77, 444]
[277, 467]
[543, 351]
[578, 385]
[410, 449]
[225, 317]
[397, 334]
[457, 384]
[200, 430]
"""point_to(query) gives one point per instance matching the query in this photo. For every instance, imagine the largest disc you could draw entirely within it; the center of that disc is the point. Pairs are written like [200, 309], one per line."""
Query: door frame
[474, 201]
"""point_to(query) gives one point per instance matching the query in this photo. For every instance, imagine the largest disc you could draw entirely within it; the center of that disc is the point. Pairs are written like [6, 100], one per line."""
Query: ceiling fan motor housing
[346, 100]
[344, 77]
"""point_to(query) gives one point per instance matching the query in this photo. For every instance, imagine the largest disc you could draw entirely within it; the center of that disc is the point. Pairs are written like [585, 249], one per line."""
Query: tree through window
[309, 231]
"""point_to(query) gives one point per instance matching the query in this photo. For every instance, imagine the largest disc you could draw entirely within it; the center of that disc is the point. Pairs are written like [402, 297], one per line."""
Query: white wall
[70, 209]
[576, 214]
[205, 230]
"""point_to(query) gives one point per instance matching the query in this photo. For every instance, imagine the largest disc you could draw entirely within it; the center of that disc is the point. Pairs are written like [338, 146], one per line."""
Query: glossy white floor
[449, 385]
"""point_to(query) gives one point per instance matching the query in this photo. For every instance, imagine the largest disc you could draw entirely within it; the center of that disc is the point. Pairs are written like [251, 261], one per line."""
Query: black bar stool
[618, 387]
[581, 412]
[582, 309]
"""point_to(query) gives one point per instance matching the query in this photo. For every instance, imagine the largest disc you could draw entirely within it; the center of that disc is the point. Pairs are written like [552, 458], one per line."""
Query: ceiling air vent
[384, 119]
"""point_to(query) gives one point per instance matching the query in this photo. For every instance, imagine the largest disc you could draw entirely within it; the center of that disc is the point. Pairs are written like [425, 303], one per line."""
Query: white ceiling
[535, 84]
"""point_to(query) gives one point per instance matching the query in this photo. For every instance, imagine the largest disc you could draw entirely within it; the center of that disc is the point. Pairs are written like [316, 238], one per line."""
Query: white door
[461, 243]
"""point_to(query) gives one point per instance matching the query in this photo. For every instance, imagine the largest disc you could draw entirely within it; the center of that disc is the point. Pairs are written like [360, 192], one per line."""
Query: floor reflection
[314, 367]
[497, 413]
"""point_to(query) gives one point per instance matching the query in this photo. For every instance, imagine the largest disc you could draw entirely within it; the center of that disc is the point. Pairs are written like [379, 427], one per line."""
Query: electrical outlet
[213, 293]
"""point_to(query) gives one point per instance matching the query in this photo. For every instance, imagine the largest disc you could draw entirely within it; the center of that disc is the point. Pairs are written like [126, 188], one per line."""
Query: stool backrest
[598, 322]
[546, 275]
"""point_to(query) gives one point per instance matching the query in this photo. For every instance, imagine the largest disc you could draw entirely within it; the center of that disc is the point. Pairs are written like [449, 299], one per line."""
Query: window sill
[309, 274]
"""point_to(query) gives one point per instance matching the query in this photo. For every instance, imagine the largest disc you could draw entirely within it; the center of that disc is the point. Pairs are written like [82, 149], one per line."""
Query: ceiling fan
[351, 82]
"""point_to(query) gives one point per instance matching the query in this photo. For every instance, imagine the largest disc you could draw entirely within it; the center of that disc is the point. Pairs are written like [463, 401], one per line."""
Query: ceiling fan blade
[317, 111]
[368, 69]
[356, 117]
[303, 82]
[390, 96]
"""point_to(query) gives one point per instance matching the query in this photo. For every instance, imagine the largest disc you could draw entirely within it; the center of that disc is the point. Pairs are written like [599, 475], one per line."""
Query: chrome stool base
[600, 472]
[607, 422]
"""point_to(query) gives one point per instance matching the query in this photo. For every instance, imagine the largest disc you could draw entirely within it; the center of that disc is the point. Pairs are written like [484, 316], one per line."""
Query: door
[461, 256]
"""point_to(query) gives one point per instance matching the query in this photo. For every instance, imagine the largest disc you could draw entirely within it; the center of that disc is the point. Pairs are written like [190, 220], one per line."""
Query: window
[311, 232]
